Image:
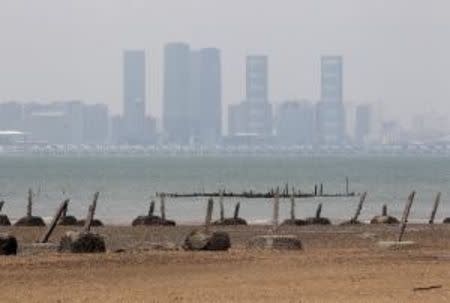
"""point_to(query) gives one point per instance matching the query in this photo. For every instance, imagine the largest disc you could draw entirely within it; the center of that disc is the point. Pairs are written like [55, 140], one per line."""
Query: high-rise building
[95, 124]
[134, 96]
[11, 116]
[254, 114]
[206, 96]
[176, 99]
[363, 122]
[295, 123]
[330, 117]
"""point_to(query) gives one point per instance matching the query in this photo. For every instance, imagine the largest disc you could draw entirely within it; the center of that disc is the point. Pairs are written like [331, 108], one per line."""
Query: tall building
[330, 116]
[11, 116]
[206, 96]
[254, 114]
[176, 98]
[95, 124]
[363, 122]
[134, 96]
[295, 123]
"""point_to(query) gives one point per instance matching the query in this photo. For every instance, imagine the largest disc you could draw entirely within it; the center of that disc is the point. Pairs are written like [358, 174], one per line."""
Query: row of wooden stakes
[150, 219]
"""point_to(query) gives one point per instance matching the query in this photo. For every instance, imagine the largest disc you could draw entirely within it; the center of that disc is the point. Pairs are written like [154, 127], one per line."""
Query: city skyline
[385, 60]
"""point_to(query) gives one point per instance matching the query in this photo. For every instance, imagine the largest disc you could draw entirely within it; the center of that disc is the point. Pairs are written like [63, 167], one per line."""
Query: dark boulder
[30, 221]
[446, 221]
[384, 220]
[198, 240]
[231, 221]
[82, 242]
[318, 221]
[152, 221]
[4, 220]
[95, 223]
[294, 222]
[68, 221]
[8, 245]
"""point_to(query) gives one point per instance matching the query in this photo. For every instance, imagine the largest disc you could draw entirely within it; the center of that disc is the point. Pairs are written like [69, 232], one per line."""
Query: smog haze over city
[233, 73]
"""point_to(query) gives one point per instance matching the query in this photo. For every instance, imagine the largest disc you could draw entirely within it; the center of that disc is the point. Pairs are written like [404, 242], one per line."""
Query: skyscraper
[257, 79]
[330, 110]
[295, 123]
[206, 96]
[363, 122]
[134, 96]
[176, 98]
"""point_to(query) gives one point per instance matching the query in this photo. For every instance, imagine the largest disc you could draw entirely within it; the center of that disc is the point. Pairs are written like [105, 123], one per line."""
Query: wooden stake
[30, 203]
[151, 209]
[360, 206]
[236, 210]
[52, 225]
[163, 206]
[91, 213]
[346, 186]
[435, 207]
[292, 206]
[276, 210]
[1, 205]
[209, 211]
[384, 211]
[319, 211]
[321, 189]
[406, 215]
[315, 190]
[222, 208]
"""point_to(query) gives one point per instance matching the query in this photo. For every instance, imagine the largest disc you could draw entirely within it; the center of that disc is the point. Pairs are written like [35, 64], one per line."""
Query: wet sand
[338, 264]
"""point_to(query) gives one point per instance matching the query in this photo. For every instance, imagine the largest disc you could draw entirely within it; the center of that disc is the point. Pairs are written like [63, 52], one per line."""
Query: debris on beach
[293, 221]
[93, 222]
[4, 220]
[275, 242]
[151, 220]
[67, 220]
[235, 220]
[384, 218]
[318, 219]
[354, 220]
[8, 245]
[200, 240]
[29, 219]
[82, 242]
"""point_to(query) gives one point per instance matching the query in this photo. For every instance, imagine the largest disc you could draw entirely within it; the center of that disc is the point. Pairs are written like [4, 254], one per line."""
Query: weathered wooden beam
[437, 201]
[276, 210]
[319, 211]
[321, 189]
[30, 203]
[209, 211]
[384, 210]
[151, 208]
[163, 206]
[292, 206]
[347, 186]
[406, 212]
[54, 222]
[359, 207]
[236, 210]
[222, 208]
[1, 205]
[91, 213]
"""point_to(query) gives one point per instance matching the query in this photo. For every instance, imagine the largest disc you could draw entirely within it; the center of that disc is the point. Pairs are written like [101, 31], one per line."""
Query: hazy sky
[395, 51]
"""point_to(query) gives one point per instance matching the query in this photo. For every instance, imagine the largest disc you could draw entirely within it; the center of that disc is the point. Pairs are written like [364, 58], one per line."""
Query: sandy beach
[337, 264]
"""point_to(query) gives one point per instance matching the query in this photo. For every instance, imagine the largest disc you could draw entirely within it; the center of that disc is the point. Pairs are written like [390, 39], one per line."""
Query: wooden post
[406, 215]
[433, 212]
[319, 211]
[315, 190]
[236, 210]
[346, 186]
[91, 213]
[276, 210]
[292, 206]
[163, 206]
[52, 225]
[1, 205]
[151, 209]
[360, 206]
[222, 208]
[321, 189]
[30, 203]
[384, 211]
[209, 211]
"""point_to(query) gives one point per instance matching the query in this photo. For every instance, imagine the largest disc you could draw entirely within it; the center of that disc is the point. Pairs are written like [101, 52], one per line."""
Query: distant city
[192, 118]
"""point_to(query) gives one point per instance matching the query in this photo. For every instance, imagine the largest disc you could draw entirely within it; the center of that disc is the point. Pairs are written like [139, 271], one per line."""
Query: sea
[127, 184]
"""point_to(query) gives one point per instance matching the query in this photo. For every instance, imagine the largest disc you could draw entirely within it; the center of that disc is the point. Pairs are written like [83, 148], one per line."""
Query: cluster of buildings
[192, 112]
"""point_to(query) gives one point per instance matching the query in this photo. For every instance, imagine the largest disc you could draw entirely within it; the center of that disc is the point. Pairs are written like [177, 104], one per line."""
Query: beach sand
[337, 264]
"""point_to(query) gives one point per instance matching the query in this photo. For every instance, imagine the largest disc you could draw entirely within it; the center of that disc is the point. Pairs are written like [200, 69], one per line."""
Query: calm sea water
[128, 183]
